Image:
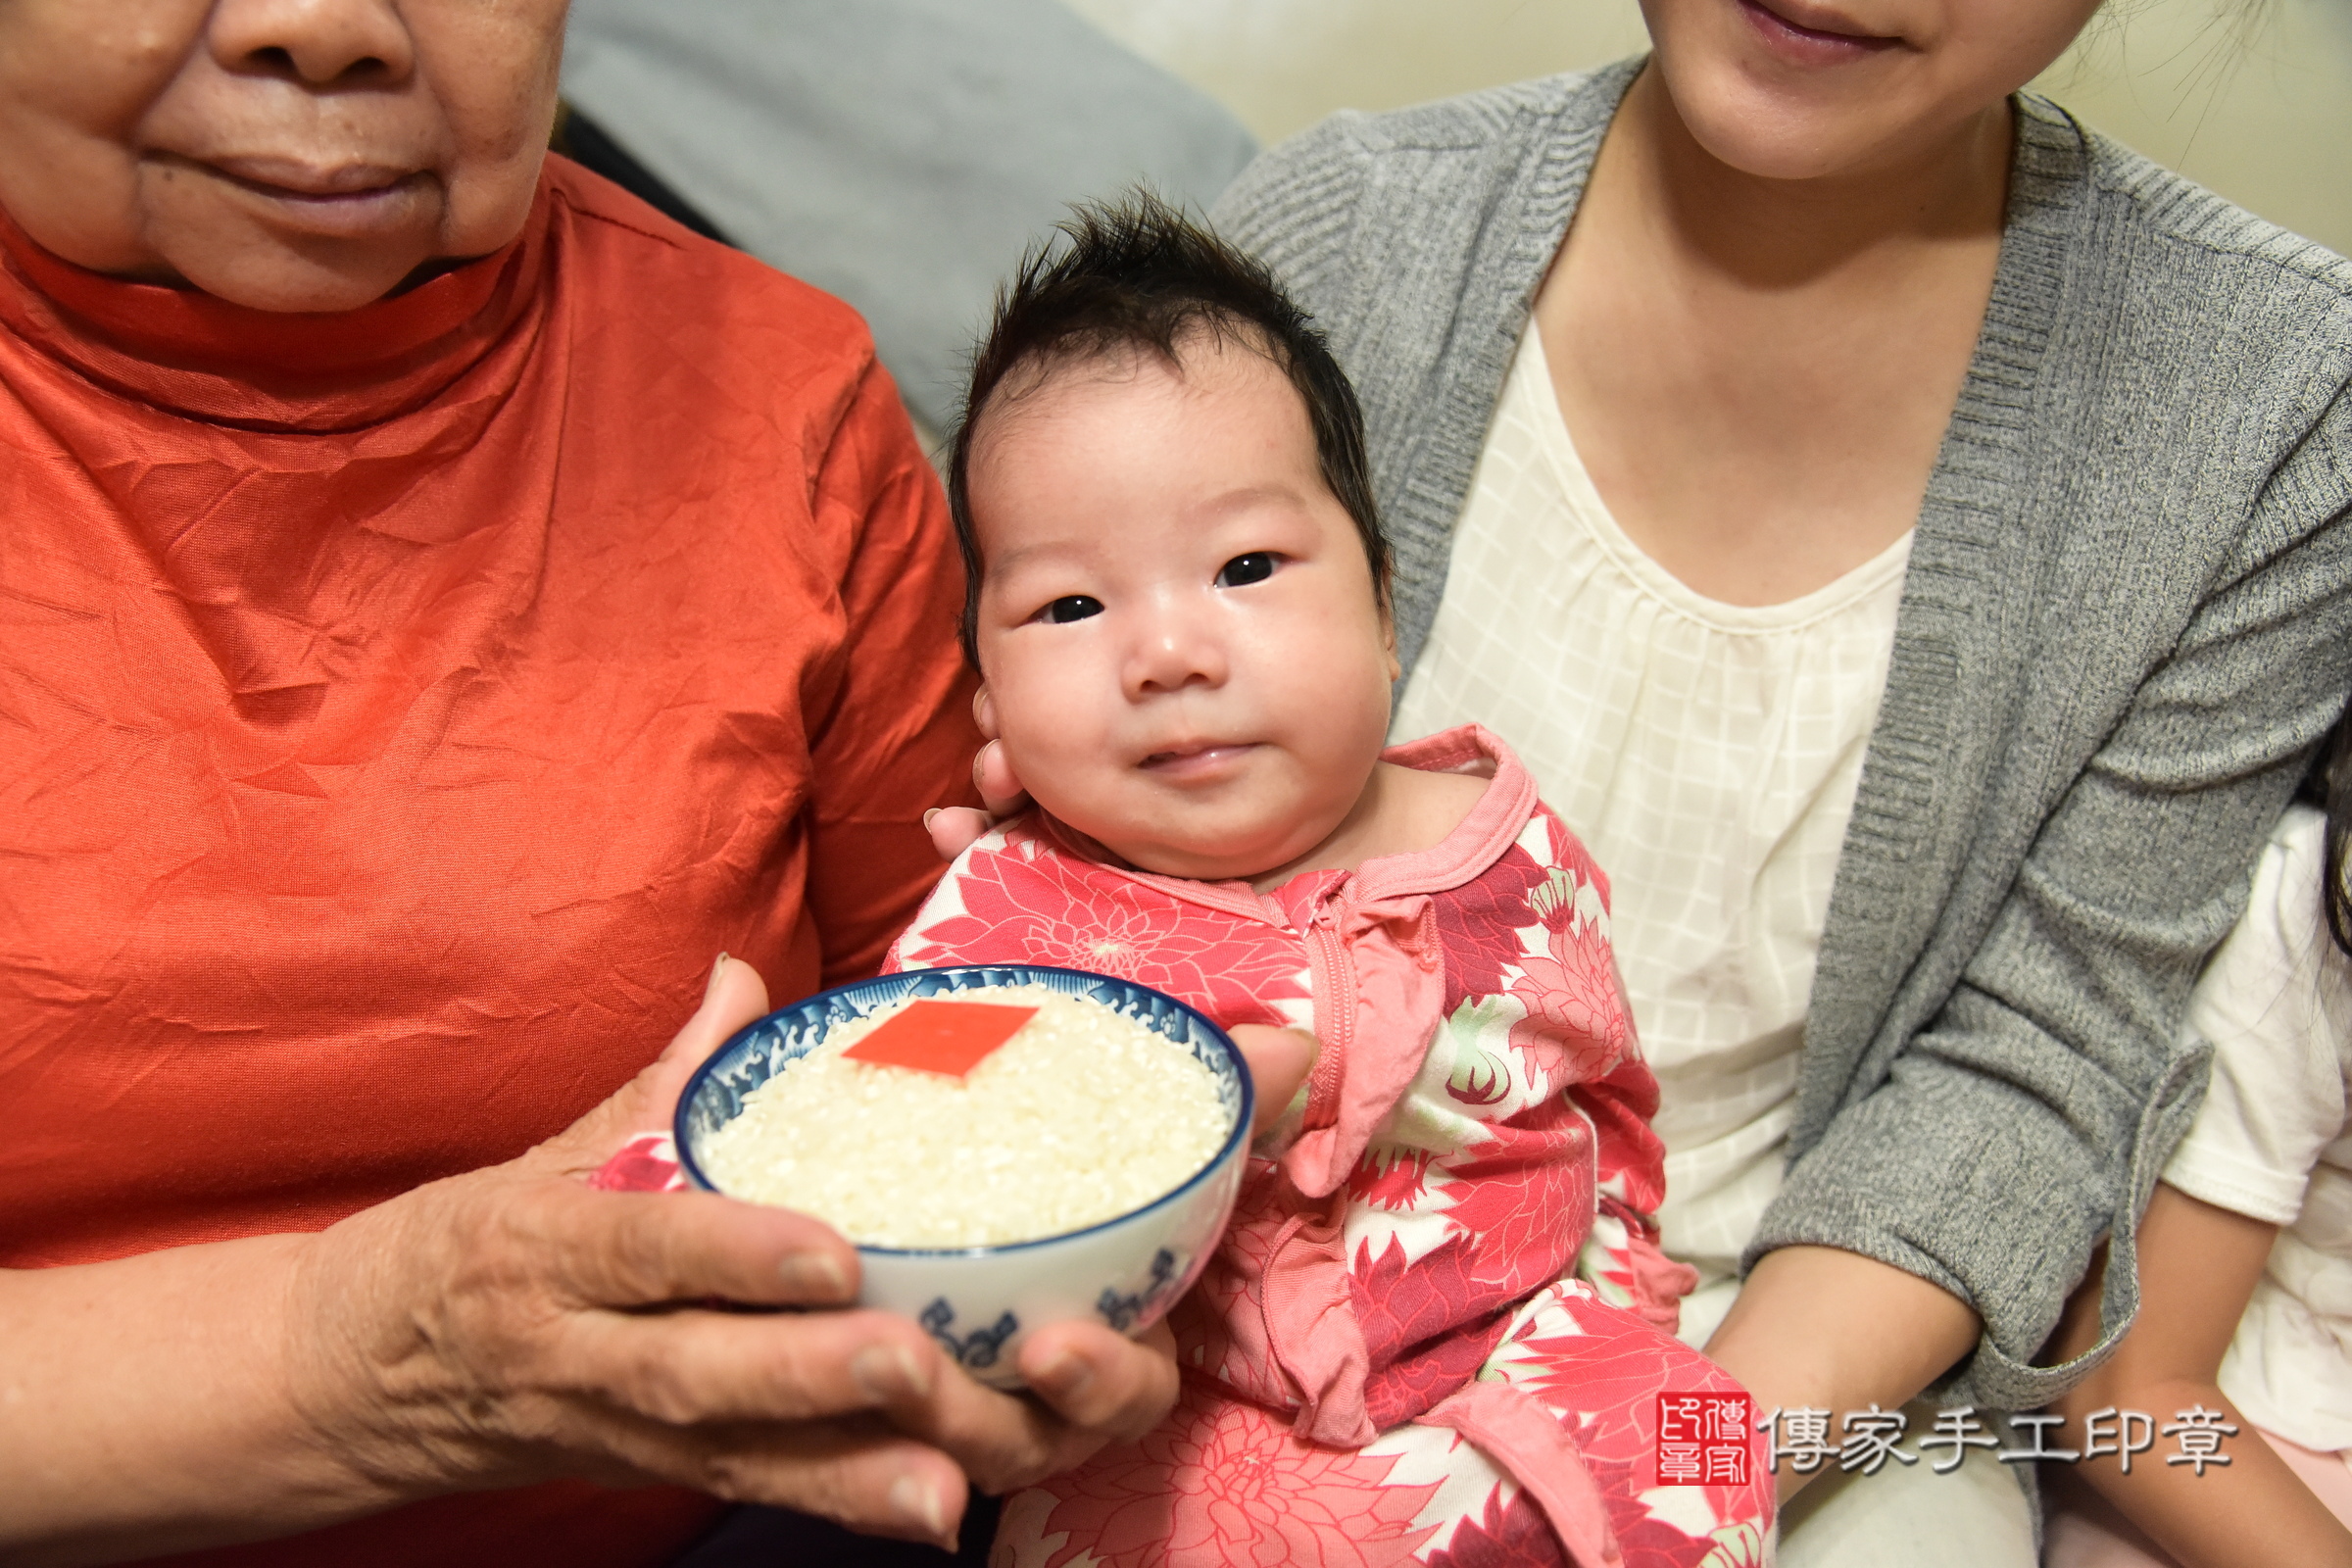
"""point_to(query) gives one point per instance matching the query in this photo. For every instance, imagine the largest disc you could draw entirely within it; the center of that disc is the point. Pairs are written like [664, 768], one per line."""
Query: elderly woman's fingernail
[815, 1276]
[1061, 1375]
[928, 817]
[887, 1372]
[915, 1499]
[710, 986]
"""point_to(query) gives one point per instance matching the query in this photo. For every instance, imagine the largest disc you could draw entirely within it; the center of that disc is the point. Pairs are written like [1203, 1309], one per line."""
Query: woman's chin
[249, 265]
[292, 283]
[1765, 135]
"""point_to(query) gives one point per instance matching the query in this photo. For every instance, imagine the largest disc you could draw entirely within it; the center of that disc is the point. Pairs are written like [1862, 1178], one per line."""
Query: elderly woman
[1903, 534]
[445, 603]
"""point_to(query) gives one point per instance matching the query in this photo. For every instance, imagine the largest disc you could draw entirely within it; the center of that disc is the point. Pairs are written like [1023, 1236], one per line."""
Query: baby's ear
[1387, 642]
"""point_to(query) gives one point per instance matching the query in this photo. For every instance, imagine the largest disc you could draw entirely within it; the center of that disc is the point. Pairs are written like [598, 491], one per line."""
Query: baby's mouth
[1206, 757]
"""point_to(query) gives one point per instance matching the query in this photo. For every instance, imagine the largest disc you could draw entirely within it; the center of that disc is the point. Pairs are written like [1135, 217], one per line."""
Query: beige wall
[2251, 97]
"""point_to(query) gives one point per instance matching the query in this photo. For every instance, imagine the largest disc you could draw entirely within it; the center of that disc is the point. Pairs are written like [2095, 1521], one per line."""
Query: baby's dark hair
[2329, 785]
[1137, 276]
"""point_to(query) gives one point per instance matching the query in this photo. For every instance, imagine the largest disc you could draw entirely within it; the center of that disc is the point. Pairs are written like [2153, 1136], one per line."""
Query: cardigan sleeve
[2030, 1118]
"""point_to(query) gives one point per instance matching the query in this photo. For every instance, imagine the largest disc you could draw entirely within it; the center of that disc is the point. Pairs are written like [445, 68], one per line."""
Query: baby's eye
[1072, 606]
[1256, 566]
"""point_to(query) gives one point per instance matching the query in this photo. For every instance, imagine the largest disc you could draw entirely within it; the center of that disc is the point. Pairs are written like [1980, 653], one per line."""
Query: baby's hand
[955, 829]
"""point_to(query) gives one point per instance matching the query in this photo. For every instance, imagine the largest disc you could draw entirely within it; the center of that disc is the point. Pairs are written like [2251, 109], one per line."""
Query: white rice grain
[1083, 1115]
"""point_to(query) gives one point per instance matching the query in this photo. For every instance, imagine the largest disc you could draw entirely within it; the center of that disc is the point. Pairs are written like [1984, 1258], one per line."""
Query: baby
[1440, 1327]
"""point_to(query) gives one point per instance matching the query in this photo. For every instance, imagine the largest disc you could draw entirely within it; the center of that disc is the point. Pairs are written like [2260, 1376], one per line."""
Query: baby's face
[291, 154]
[1177, 625]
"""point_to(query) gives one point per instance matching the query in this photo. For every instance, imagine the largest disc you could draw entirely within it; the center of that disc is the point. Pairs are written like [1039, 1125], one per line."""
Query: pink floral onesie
[1440, 1326]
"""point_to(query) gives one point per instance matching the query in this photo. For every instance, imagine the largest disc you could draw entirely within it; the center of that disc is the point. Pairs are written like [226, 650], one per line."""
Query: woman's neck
[1758, 372]
[1951, 186]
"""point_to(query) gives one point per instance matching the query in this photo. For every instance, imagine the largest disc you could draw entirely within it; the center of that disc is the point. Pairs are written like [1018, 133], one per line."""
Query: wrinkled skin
[290, 154]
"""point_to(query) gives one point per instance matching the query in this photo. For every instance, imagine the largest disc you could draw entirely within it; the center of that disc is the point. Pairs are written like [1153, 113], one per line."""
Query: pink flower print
[1479, 1078]
[1515, 1535]
[1528, 1204]
[1059, 909]
[1478, 925]
[1737, 1545]
[1428, 1325]
[645, 1163]
[1219, 1484]
[1569, 853]
[1610, 1375]
[1392, 1179]
[1575, 1004]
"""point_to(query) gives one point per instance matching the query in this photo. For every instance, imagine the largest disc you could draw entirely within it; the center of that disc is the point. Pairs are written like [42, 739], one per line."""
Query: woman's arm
[2198, 1265]
[1814, 1327]
[504, 1327]
[2013, 1100]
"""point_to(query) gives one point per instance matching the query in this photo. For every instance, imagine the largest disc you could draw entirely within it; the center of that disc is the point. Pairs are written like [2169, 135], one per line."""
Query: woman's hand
[513, 1325]
[531, 1327]
[956, 828]
[507, 1326]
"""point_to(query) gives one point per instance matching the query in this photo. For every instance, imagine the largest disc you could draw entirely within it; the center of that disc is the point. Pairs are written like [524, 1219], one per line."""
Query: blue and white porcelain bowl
[979, 1303]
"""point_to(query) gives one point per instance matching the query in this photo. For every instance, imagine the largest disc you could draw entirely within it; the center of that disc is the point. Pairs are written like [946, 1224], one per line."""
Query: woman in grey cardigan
[1948, 569]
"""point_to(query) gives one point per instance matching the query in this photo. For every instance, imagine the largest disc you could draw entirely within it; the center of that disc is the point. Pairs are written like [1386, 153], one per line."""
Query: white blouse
[1707, 754]
[2273, 1140]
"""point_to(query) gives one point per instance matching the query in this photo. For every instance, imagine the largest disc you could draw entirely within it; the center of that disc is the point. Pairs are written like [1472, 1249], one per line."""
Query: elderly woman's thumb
[732, 997]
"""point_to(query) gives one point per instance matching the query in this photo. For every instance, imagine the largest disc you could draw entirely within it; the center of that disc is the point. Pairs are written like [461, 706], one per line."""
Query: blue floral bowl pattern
[980, 1302]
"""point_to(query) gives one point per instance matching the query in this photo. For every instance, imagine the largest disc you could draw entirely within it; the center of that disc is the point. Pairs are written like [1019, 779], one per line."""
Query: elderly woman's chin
[351, 252]
[272, 248]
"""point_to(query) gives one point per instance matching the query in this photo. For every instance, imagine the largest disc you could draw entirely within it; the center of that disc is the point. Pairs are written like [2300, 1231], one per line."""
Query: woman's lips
[342, 200]
[291, 176]
[1809, 34]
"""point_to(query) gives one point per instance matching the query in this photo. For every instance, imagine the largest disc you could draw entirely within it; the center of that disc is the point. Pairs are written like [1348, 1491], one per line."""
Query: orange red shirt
[399, 710]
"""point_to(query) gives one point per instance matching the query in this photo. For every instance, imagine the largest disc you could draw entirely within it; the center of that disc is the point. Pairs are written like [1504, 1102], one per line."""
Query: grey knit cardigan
[2124, 627]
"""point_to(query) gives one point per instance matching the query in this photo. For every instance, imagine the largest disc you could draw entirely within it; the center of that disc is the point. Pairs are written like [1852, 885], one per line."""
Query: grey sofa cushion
[898, 153]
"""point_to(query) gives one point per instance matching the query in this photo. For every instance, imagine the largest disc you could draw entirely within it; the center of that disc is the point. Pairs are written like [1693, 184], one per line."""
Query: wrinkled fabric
[399, 710]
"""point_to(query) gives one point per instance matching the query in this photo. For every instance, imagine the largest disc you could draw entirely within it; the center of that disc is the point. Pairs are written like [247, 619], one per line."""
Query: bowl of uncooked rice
[1007, 1145]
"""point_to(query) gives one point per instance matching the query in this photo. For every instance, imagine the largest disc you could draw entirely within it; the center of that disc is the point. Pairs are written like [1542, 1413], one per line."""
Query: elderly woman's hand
[514, 1324]
[956, 828]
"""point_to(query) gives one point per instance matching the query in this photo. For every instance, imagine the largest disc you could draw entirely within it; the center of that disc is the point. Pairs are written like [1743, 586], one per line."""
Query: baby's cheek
[1061, 771]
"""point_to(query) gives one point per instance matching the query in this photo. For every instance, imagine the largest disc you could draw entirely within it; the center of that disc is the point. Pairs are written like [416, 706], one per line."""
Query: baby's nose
[1173, 650]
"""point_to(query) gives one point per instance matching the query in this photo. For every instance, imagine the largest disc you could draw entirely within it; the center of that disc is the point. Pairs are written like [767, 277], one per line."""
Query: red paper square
[949, 1038]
